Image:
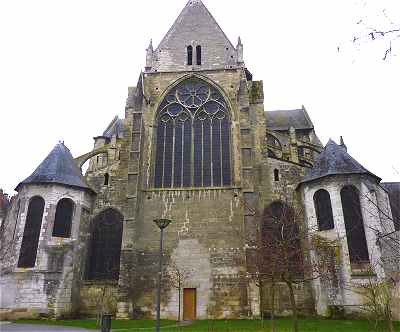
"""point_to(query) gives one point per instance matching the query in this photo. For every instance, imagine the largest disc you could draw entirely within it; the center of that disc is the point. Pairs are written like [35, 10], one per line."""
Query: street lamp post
[161, 223]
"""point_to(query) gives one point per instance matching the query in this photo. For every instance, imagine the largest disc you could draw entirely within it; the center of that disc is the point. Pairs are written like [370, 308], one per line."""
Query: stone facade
[270, 154]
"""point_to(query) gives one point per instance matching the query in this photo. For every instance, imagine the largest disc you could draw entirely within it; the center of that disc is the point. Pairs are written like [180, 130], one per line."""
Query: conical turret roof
[58, 167]
[335, 160]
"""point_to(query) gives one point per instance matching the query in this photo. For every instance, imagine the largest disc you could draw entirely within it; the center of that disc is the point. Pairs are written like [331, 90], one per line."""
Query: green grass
[283, 325]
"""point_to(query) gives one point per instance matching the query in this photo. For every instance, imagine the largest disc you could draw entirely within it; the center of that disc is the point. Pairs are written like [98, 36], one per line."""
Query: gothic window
[30, 239]
[106, 179]
[63, 219]
[354, 224]
[276, 174]
[189, 51]
[198, 55]
[193, 138]
[323, 210]
[105, 247]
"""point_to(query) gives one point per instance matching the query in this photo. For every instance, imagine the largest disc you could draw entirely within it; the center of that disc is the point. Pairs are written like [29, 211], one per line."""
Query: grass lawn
[283, 325]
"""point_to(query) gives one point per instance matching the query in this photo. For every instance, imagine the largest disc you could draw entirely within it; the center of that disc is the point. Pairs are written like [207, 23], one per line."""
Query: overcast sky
[65, 67]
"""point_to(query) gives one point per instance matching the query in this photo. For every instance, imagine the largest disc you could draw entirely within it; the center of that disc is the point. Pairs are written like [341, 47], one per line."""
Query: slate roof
[116, 127]
[194, 26]
[334, 160]
[284, 119]
[58, 167]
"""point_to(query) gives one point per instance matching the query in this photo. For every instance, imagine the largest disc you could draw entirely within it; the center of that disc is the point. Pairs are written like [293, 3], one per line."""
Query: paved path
[11, 327]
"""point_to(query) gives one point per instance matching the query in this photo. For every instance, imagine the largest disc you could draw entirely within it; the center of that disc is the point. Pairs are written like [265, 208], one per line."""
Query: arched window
[198, 55]
[189, 51]
[323, 209]
[193, 138]
[281, 240]
[276, 174]
[105, 247]
[63, 219]
[106, 179]
[30, 239]
[357, 243]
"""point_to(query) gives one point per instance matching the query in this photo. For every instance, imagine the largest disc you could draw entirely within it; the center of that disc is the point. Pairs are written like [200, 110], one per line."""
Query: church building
[196, 147]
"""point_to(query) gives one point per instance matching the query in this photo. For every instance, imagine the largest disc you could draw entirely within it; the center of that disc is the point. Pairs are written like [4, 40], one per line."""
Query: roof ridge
[190, 2]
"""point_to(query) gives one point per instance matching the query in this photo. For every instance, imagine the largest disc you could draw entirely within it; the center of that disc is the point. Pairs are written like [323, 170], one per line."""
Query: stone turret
[51, 210]
[149, 56]
[239, 51]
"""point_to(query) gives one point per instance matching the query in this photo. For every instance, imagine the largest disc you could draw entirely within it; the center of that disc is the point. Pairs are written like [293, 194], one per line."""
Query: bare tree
[376, 26]
[177, 276]
[279, 252]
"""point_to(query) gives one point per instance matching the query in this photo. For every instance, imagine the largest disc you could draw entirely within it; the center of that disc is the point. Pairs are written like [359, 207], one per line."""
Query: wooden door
[189, 303]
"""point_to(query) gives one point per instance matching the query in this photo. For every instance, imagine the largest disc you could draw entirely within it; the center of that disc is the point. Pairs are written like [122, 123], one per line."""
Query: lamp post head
[162, 223]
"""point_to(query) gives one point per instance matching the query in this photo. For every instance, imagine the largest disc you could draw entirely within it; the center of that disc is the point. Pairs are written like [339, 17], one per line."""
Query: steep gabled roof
[58, 167]
[335, 160]
[116, 127]
[284, 119]
[194, 26]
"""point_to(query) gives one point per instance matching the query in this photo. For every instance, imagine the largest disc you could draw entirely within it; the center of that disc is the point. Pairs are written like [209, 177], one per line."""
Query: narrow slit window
[189, 51]
[198, 55]
[106, 179]
[276, 174]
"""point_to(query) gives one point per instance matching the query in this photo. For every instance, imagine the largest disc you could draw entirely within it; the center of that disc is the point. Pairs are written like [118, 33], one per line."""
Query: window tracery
[193, 137]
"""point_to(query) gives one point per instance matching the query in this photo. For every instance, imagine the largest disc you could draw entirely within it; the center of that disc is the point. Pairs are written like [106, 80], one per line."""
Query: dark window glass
[168, 153]
[106, 179]
[193, 138]
[216, 153]
[323, 210]
[198, 147]
[198, 55]
[30, 239]
[187, 155]
[225, 147]
[276, 174]
[178, 154]
[189, 51]
[354, 224]
[105, 249]
[63, 219]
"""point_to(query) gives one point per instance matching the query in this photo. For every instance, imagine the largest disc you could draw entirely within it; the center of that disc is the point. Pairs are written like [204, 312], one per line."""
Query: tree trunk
[294, 306]
[273, 327]
[261, 296]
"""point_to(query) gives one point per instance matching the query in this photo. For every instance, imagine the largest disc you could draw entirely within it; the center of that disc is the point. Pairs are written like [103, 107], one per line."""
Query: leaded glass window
[30, 239]
[323, 210]
[193, 138]
[354, 224]
[105, 249]
[63, 219]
